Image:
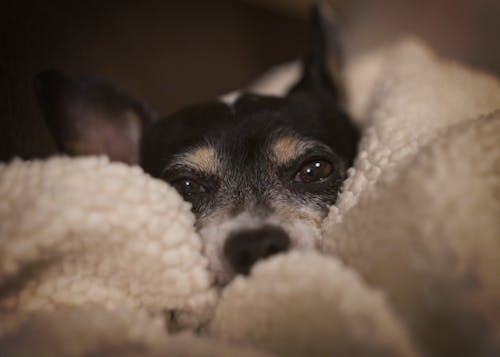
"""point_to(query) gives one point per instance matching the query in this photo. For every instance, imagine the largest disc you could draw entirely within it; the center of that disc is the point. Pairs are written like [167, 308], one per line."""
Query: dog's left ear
[323, 61]
[91, 117]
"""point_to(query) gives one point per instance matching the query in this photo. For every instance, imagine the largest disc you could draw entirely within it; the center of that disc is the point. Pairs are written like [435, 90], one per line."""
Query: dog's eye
[188, 187]
[314, 171]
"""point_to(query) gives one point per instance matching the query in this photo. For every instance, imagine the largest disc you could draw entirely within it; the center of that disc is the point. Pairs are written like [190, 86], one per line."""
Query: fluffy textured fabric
[99, 259]
[430, 239]
[86, 231]
[307, 304]
[405, 97]
[420, 215]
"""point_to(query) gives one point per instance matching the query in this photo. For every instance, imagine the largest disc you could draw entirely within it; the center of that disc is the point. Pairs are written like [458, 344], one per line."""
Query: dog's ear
[90, 117]
[323, 60]
[317, 100]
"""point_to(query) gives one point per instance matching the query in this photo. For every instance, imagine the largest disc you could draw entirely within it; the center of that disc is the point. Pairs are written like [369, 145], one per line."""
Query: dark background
[173, 53]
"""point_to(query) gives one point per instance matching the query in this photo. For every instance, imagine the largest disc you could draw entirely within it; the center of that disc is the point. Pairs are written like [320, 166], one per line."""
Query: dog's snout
[243, 248]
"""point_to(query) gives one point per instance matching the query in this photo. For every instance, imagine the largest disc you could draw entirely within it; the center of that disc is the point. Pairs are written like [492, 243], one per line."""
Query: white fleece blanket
[96, 258]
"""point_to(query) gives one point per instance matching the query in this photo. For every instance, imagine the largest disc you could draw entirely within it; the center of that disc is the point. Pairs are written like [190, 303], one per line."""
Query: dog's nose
[243, 248]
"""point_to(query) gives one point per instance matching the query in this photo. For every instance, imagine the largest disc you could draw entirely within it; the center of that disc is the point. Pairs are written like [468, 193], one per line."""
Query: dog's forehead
[215, 157]
[244, 127]
[244, 148]
[247, 122]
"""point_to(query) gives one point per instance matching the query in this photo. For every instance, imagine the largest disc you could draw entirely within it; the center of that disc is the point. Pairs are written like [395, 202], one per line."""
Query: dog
[259, 171]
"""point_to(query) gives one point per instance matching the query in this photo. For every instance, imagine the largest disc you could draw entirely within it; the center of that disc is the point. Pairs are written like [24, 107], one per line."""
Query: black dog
[259, 172]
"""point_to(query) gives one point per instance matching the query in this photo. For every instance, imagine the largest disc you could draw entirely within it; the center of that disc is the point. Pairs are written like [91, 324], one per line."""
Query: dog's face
[259, 164]
[260, 172]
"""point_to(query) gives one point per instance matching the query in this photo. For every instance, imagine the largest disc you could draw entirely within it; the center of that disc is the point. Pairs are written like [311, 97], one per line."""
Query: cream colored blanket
[96, 258]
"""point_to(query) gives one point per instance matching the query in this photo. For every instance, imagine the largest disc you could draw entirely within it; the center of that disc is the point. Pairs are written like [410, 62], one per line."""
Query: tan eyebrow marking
[289, 148]
[203, 159]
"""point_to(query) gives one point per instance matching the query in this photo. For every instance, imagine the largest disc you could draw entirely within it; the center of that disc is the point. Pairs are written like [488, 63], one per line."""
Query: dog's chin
[303, 230]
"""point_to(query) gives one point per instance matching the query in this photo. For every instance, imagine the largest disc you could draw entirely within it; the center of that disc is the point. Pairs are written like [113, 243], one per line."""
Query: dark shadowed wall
[166, 53]
[171, 53]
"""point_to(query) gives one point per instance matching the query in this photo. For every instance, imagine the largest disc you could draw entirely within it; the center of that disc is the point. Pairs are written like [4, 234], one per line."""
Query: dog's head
[260, 172]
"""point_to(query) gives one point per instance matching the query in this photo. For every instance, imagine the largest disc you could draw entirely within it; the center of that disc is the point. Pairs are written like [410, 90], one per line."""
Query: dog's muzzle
[243, 248]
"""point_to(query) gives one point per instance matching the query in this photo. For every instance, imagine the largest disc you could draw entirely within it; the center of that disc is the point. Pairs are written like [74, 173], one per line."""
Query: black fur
[241, 135]
[246, 175]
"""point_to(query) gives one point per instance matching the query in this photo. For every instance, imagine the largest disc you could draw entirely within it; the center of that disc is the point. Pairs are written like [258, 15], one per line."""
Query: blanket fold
[87, 231]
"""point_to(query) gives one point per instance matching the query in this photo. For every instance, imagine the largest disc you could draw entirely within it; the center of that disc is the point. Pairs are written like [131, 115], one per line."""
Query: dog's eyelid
[316, 153]
[173, 172]
[182, 168]
[178, 172]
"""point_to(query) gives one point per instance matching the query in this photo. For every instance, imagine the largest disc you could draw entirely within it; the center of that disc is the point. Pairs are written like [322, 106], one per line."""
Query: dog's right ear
[90, 117]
